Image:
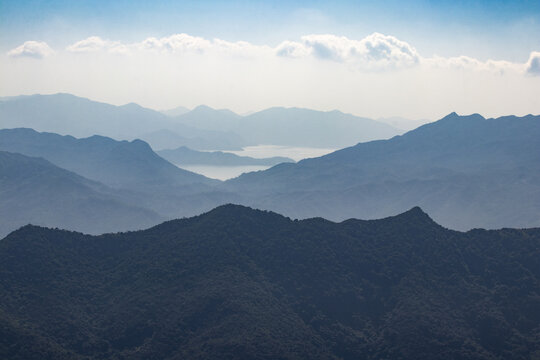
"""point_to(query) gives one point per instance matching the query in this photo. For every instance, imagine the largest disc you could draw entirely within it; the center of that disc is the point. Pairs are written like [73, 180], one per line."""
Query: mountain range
[32, 190]
[121, 164]
[291, 126]
[179, 110]
[466, 171]
[71, 115]
[131, 170]
[202, 128]
[247, 284]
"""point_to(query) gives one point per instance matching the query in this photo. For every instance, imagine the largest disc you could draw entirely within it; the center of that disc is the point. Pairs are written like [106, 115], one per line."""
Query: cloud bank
[375, 52]
[31, 49]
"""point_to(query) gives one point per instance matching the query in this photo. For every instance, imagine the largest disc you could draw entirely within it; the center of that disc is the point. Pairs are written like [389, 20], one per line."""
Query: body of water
[222, 172]
[295, 153]
[259, 151]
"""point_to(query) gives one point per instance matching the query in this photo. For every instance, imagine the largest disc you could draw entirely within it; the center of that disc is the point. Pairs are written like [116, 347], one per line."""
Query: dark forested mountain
[124, 164]
[33, 190]
[186, 156]
[466, 171]
[237, 283]
[291, 126]
[71, 115]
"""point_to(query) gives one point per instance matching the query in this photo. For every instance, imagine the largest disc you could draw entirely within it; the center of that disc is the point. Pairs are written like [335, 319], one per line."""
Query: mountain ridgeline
[71, 115]
[120, 172]
[291, 126]
[466, 171]
[32, 190]
[202, 128]
[247, 284]
[122, 164]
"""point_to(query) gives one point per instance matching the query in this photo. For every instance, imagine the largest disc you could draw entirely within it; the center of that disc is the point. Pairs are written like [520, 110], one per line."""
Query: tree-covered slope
[246, 284]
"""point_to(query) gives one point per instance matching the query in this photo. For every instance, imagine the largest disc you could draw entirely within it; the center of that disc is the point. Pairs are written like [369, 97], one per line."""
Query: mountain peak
[241, 212]
[414, 216]
[455, 116]
[203, 108]
[416, 211]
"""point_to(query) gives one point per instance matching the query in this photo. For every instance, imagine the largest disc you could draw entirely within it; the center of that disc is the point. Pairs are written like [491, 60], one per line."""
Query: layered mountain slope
[467, 171]
[202, 128]
[80, 117]
[33, 190]
[240, 283]
[291, 126]
[124, 164]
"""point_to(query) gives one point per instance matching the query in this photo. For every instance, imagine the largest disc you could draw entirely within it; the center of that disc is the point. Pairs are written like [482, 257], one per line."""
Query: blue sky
[483, 29]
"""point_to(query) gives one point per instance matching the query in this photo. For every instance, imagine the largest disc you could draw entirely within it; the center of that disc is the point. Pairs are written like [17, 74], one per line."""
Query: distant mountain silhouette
[237, 283]
[186, 156]
[179, 110]
[33, 190]
[122, 164]
[403, 123]
[211, 140]
[137, 174]
[466, 171]
[291, 126]
[202, 128]
[71, 115]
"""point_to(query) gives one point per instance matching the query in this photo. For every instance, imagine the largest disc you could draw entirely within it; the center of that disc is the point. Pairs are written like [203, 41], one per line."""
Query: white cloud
[95, 44]
[292, 49]
[533, 65]
[33, 49]
[176, 43]
[375, 51]
[241, 48]
[184, 43]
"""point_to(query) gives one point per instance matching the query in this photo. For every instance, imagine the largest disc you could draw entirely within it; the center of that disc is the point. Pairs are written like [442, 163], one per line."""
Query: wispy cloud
[468, 63]
[31, 49]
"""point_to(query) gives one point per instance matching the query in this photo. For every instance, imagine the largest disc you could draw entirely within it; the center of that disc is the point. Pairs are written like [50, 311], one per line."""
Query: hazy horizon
[369, 59]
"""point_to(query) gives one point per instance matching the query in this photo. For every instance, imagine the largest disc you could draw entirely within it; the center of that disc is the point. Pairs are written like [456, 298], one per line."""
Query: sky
[414, 59]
